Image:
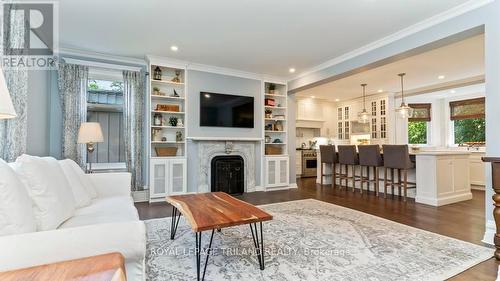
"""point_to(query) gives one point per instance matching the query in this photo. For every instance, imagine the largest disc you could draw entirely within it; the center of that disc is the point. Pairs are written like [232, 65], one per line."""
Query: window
[417, 132]
[339, 113]
[470, 130]
[468, 117]
[105, 106]
[418, 123]
[346, 113]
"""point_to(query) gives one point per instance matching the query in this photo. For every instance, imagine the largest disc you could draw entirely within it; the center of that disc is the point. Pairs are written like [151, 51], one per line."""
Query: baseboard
[290, 186]
[141, 195]
[443, 200]
[489, 233]
[259, 188]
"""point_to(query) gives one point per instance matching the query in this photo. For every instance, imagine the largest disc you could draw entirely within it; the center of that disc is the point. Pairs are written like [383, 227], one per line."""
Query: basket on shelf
[166, 151]
[273, 149]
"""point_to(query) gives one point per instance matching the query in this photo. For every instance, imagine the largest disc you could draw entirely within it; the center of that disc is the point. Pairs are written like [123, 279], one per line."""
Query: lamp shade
[6, 108]
[90, 132]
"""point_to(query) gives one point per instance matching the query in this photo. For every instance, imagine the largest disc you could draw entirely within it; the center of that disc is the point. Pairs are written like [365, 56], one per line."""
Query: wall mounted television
[221, 110]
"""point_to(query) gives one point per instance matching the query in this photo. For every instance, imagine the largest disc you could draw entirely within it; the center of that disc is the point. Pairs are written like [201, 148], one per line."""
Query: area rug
[313, 240]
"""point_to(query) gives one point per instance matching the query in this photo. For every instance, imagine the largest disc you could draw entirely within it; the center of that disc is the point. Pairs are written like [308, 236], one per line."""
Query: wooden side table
[108, 267]
[495, 174]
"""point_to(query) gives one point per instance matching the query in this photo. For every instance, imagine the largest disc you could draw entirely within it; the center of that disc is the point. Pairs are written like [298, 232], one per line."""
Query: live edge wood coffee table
[217, 210]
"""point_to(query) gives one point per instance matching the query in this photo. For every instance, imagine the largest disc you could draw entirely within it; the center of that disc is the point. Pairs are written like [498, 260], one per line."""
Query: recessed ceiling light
[337, 100]
[380, 91]
[292, 70]
[312, 97]
[441, 77]
[453, 91]
[174, 48]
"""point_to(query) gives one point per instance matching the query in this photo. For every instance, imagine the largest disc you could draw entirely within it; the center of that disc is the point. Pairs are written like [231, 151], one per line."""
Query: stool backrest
[369, 155]
[328, 154]
[348, 154]
[397, 156]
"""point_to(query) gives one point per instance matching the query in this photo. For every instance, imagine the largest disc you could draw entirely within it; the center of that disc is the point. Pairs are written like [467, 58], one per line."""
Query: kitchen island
[442, 177]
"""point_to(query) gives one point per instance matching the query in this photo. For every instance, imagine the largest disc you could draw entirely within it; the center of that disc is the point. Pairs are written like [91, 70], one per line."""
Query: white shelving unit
[276, 160]
[167, 174]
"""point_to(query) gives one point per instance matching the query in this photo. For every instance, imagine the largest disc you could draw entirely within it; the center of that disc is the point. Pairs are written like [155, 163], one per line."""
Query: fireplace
[228, 174]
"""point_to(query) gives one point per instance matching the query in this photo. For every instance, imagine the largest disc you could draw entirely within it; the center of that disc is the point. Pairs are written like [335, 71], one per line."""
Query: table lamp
[90, 133]
[6, 108]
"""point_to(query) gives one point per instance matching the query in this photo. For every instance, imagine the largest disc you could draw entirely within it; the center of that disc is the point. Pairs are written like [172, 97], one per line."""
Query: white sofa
[110, 223]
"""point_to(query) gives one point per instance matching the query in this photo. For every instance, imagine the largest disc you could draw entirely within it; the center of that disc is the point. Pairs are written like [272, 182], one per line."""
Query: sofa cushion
[80, 193]
[89, 186]
[53, 201]
[16, 210]
[104, 210]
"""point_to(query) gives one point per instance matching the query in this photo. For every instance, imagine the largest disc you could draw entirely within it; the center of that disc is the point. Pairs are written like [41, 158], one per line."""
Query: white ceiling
[458, 61]
[258, 36]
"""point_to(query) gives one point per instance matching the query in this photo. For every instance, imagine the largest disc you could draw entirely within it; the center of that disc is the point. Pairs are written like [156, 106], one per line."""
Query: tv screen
[220, 110]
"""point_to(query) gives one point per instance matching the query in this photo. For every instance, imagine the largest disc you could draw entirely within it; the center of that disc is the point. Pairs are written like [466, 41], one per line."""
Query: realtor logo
[30, 35]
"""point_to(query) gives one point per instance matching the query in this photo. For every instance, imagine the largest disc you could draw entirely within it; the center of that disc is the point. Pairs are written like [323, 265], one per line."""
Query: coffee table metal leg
[198, 255]
[176, 216]
[258, 243]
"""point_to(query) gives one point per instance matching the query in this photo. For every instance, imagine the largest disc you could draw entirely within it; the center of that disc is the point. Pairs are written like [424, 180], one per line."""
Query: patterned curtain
[133, 96]
[13, 131]
[73, 91]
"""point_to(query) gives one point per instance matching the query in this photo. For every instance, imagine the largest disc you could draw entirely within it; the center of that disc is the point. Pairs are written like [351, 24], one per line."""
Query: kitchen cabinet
[298, 163]
[477, 174]
[167, 177]
[276, 172]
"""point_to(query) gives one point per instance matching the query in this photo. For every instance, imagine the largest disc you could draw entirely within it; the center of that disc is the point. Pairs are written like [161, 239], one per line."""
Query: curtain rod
[102, 64]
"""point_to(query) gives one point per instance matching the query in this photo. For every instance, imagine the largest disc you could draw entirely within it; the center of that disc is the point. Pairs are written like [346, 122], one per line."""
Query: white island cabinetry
[442, 177]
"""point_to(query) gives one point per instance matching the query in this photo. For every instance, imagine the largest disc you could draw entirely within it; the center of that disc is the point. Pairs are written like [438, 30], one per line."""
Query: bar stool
[348, 157]
[328, 156]
[397, 157]
[371, 159]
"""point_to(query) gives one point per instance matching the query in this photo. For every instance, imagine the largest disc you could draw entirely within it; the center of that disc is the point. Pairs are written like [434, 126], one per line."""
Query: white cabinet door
[276, 171]
[283, 172]
[271, 165]
[158, 177]
[177, 176]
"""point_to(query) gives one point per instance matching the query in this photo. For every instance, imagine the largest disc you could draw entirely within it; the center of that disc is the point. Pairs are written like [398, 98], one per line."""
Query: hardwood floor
[464, 220]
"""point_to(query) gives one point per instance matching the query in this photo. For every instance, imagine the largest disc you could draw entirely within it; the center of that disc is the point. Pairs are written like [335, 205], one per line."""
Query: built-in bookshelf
[275, 119]
[167, 106]
[167, 130]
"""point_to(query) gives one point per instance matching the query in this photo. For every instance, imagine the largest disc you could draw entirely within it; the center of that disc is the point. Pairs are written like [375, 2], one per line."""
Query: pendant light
[364, 116]
[404, 111]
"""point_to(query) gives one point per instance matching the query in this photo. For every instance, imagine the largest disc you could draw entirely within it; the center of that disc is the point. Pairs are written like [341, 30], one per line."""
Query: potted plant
[172, 121]
[156, 91]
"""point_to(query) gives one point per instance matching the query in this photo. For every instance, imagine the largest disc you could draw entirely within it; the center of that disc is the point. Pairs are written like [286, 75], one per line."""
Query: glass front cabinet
[167, 177]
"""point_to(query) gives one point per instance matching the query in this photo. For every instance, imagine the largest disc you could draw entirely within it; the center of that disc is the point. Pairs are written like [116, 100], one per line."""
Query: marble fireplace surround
[208, 149]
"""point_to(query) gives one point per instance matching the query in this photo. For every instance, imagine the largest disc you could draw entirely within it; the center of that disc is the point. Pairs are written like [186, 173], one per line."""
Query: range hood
[309, 123]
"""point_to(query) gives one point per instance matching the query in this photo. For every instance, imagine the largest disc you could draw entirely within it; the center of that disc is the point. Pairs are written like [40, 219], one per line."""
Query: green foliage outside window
[417, 132]
[470, 130]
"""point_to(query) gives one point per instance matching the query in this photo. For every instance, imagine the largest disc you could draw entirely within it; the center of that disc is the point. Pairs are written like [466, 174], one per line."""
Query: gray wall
[38, 113]
[199, 81]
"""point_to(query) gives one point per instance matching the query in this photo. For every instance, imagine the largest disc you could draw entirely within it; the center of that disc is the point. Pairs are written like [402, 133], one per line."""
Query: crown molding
[214, 69]
[422, 25]
[100, 56]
